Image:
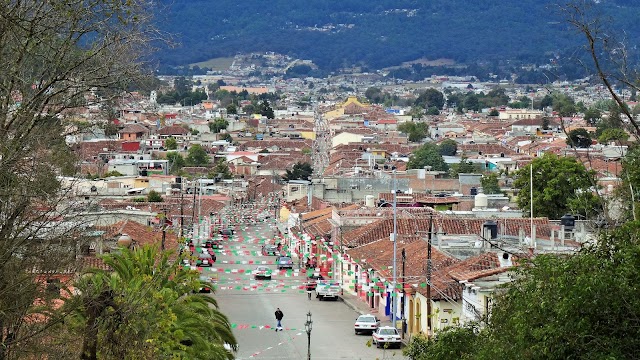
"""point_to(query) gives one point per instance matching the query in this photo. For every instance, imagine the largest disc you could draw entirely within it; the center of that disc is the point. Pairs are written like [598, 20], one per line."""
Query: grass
[215, 63]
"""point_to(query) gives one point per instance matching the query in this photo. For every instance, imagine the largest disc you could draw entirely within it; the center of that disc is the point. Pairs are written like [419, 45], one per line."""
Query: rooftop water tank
[492, 227]
[568, 220]
[481, 201]
[369, 201]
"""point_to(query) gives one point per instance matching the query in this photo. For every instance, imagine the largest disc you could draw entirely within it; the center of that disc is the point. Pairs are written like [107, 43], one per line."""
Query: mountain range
[381, 33]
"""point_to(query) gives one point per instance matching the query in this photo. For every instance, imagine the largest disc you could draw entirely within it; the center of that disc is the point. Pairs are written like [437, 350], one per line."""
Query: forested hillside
[379, 33]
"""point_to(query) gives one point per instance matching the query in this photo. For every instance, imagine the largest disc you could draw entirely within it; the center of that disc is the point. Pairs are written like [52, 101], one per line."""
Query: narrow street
[250, 304]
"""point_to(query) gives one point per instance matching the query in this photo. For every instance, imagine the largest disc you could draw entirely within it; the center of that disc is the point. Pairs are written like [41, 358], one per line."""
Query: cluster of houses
[455, 245]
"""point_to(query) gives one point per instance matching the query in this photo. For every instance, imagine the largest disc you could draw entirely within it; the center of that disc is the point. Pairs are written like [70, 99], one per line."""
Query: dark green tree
[448, 147]
[217, 125]
[494, 112]
[546, 101]
[592, 116]
[560, 185]
[227, 137]
[265, 109]
[490, 184]
[232, 109]
[176, 162]
[197, 156]
[430, 98]
[427, 155]
[579, 138]
[416, 131]
[559, 324]
[463, 167]
[154, 196]
[170, 143]
[300, 171]
[220, 169]
[471, 102]
[454, 342]
[374, 95]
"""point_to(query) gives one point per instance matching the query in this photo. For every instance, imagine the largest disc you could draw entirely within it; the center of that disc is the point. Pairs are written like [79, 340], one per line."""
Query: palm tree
[148, 307]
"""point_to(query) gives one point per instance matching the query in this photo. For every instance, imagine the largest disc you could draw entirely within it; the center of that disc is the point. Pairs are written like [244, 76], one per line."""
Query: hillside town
[455, 243]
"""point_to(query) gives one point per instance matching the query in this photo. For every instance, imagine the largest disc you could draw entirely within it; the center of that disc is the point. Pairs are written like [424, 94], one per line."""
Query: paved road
[250, 306]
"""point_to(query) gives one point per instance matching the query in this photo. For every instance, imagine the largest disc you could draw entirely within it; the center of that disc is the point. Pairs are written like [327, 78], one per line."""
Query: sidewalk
[361, 307]
[355, 303]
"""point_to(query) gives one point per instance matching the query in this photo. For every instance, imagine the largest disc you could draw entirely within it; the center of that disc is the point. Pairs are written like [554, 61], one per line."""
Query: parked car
[226, 232]
[262, 272]
[366, 323]
[386, 335]
[204, 262]
[206, 288]
[205, 259]
[213, 244]
[285, 262]
[269, 250]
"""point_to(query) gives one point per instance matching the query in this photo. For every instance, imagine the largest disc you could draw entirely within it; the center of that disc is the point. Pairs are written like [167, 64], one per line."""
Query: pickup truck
[327, 289]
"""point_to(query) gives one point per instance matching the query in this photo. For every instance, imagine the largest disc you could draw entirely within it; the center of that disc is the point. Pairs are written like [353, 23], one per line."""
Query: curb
[352, 305]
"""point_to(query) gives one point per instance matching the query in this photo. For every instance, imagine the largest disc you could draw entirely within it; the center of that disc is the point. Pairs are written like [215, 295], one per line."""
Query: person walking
[279, 316]
[309, 288]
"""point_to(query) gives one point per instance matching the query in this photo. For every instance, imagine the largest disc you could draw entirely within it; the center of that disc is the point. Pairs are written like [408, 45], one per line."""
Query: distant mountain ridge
[378, 33]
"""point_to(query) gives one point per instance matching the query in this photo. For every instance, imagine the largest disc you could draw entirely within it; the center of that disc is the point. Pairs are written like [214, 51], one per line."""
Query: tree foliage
[171, 143]
[221, 170]
[463, 167]
[300, 171]
[148, 306]
[560, 185]
[448, 147]
[612, 135]
[217, 125]
[490, 184]
[430, 98]
[154, 196]
[579, 138]
[52, 55]
[197, 156]
[455, 342]
[427, 155]
[416, 131]
[176, 162]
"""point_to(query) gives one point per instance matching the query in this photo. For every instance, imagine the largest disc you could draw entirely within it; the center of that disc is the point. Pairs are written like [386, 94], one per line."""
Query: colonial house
[133, 132]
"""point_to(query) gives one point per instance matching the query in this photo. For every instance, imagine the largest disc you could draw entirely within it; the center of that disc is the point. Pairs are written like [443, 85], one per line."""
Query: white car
[262, 272]
[386, 336]
[366, 323]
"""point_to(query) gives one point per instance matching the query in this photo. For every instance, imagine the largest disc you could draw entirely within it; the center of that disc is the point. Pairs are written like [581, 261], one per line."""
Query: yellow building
[350, 107]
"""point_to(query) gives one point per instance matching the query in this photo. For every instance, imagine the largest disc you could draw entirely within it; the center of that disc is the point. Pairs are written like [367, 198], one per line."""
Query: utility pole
[404, 321]
[394, 301]
[181, 213]
[429, 276]
[164, 228]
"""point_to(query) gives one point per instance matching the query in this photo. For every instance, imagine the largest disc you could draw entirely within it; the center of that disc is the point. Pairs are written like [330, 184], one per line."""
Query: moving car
[326, 289]
[285, 262]
[269, 250]
[261, 272]
[386, 336]
[366, 323]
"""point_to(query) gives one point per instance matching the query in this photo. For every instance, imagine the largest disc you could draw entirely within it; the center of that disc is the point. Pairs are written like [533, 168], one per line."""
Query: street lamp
[307, 327]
